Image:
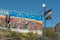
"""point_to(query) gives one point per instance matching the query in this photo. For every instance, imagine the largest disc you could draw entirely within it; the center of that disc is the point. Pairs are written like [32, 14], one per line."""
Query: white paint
[27, 31]
[24, 30]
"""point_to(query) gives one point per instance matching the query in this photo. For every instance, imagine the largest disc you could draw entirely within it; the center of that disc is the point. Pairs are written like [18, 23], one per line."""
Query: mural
[20, 20]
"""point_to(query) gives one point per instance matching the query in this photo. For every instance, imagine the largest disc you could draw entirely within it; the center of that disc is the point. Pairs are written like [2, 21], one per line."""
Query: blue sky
[34, 7]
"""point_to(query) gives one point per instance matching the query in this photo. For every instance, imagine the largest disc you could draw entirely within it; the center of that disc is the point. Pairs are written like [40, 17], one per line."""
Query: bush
[21, 36]
[50, 33]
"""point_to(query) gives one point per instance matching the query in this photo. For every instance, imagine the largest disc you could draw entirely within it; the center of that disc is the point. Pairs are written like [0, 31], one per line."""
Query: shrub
[50, 33]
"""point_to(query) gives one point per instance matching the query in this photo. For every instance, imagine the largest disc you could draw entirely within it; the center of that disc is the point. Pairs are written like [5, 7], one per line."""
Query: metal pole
[44, 17]
[44, 6]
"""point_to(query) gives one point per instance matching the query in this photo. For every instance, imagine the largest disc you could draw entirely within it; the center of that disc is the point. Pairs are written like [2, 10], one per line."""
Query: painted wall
[21, 20]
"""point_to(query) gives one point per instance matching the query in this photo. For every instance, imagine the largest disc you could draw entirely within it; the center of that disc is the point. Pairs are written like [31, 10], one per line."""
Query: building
[57, 27]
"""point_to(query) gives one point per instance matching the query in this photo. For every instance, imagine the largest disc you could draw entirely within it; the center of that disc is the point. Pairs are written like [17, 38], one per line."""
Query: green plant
[50, 33]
